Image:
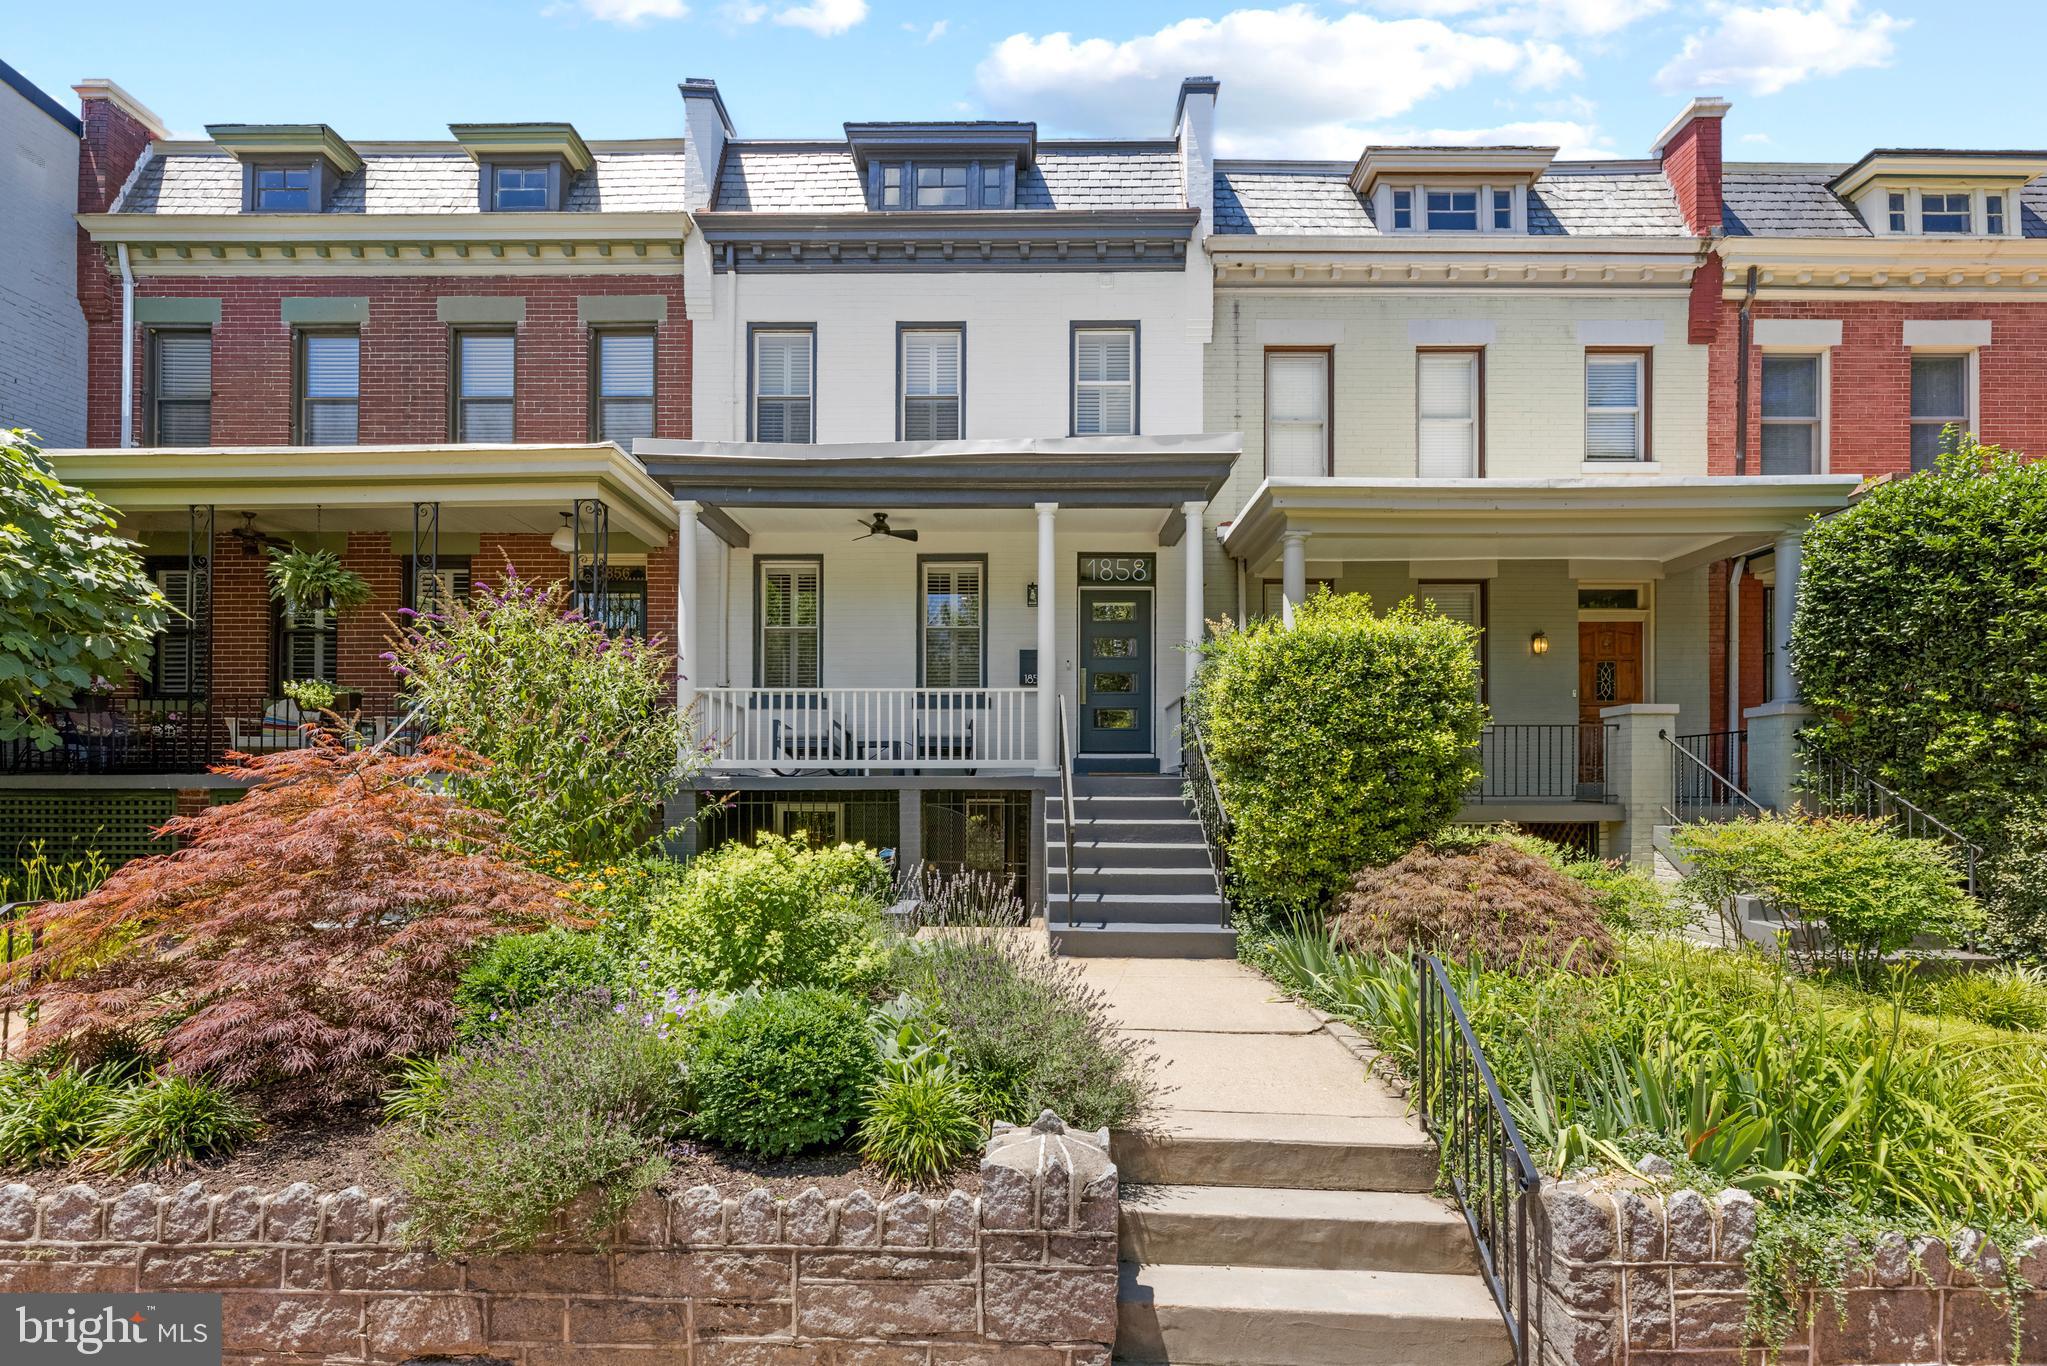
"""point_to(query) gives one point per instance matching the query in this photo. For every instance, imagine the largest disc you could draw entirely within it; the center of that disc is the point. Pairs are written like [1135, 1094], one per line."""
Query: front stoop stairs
[1142, 883]
[1295, 1240]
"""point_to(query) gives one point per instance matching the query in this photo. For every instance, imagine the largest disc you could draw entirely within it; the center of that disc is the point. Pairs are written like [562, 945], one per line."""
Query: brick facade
[1023, 1274]
[1627, 1277]
[405, 358]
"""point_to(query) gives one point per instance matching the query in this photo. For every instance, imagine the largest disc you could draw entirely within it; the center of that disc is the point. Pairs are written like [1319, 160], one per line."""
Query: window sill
[1621, 467]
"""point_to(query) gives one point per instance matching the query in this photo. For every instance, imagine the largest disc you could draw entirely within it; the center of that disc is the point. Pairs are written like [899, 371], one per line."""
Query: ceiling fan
[253, 541]
[877, 525]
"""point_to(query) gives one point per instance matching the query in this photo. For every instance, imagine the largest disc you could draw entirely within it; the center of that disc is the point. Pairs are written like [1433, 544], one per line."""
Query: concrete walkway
[1229, 1045]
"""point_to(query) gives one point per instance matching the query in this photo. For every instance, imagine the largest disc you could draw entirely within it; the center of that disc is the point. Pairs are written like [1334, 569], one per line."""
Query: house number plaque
[1118, 568]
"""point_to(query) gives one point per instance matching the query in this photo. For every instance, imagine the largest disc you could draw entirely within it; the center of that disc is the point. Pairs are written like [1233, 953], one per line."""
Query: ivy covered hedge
[1339, 742]
[1921, 639]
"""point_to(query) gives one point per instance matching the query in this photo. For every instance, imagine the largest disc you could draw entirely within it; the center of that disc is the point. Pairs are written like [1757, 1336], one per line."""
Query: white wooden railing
[866, 730]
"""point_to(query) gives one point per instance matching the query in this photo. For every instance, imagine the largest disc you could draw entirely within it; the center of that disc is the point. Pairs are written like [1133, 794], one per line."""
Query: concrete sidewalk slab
[1202, 995]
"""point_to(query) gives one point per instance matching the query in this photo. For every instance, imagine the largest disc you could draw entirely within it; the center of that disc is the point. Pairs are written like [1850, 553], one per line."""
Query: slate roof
[409, 182]
[1764, 199]
[821, 178]
[1277, 199]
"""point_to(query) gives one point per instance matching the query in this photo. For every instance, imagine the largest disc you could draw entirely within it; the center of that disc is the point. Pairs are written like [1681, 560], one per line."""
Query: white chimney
[707, 128]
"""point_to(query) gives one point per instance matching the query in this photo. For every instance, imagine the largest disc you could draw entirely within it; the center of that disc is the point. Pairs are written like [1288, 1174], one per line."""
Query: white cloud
[1297, 82]
[1765, 49]
[1547, 65]
[1594, 17]
[1760, 139]
[825, 18]
[932, 34]
[1574, 141]
[631, 13]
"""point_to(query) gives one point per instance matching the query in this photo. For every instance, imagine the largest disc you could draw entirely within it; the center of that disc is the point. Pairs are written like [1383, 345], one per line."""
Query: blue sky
[1820, 80]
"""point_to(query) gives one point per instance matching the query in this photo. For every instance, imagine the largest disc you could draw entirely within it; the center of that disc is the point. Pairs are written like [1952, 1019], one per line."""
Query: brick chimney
[1690, 152]
[118, 131]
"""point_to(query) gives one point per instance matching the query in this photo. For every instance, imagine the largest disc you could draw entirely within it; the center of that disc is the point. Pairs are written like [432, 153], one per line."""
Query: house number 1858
[1116, 568]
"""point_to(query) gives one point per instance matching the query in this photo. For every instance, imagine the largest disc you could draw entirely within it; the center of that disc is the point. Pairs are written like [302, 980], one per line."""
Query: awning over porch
[509, 488]
[1675, 523]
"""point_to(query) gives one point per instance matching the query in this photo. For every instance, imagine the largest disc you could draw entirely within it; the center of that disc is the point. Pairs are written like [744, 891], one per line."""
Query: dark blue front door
[1115, 671]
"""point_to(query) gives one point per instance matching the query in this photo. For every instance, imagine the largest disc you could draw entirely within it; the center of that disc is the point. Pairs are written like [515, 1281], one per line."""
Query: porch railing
[790, 731]
[1702, 790]
[1069, 812]
[1486, 1162]
[1557, 763]
[136, 735]
[1840, 788]
[1207, 799]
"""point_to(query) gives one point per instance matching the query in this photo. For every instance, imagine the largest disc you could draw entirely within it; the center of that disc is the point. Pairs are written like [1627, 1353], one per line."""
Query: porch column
[1190, 538]
[1293, 582]
[686, 635]
[1640, 778]
[1048, 644]
[1773, 761]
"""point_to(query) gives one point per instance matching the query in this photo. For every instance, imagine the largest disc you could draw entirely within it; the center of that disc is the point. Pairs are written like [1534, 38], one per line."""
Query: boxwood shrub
[782, 1072]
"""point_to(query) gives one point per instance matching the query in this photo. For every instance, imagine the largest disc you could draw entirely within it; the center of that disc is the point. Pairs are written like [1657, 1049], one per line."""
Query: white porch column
[1190, 537]
[687, 659]
[1790, 552]
[1048, 663]
[1293, 582]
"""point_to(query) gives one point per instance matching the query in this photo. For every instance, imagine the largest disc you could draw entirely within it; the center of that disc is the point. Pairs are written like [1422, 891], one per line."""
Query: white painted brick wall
[1017, 339]
[42, 332]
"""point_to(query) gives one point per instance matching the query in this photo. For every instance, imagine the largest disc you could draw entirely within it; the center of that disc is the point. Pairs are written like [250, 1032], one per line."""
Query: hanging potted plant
[309, 581]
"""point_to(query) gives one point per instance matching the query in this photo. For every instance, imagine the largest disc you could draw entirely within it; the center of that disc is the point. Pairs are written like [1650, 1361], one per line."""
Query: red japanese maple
[304, 937]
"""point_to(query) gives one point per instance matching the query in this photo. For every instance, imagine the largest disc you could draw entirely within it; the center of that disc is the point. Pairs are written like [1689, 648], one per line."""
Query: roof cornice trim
[377, 228]
[248, 141]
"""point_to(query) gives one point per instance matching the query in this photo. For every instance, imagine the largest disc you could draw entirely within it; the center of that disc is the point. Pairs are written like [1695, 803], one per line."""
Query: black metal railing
[1701, 790]
[1557, 763]
[1207, 798]
[136, 735]
[1068, 813]
[1483, 1157]
[1839, 788]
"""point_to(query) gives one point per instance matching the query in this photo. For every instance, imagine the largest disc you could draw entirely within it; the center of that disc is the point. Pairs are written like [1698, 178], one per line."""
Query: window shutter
[184, 365]
[625, 385]
[1446, 393]
[171, 672]
[488, 361]
[333, 366]
[1459, 602]
[952, 626]
[1297, 415]
[782, 386]
[1105, 389]
[789, 625]
[1613, 413]
[931, 386]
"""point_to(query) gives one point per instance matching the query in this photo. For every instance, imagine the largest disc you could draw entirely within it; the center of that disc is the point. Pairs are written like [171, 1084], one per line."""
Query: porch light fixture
[1538, 644]
[564, 538]
[1030, 595]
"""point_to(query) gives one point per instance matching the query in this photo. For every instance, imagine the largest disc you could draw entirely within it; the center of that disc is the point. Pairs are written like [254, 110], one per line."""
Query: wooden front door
[1609, 675]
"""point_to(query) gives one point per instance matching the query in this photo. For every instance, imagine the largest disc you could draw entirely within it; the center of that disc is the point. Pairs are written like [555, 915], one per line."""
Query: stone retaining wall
[1629, 1277]
[1023, 1274]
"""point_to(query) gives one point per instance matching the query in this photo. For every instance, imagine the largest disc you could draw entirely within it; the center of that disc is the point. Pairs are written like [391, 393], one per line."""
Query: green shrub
[419, 1093]
[518, 971]
[1921, 635]
[576, 1096]
[2014, 884]
[1338, 743]
[583, 748]
[1874, 889]
[782, 1072]
[1028, 1032]
[773, 914]
[1494, 903]
[2004, 997]
[920, 1127]
[52, 1119]
[171, 1120]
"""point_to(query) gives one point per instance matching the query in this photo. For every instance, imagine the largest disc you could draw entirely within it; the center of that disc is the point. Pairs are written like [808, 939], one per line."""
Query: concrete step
[1118, 784]
[1182, 829]
[1157, 912]
[1333, 1230]
[1284, 1316]
[1089, 855]
[1162, 806]
[1290, 1152]
[1128, 939]
[1194, 879]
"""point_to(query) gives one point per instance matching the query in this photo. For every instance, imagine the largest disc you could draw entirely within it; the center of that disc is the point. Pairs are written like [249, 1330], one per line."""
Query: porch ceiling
[1678, 522]
[1081, 472]
[479, 487]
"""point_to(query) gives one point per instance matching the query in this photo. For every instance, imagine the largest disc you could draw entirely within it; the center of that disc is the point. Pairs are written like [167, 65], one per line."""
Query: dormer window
[284, 189]
[519, 187]
[941, 166]
[1898, 212]
[1403, 210]
[1993, 214]
[1453, 210]
[1945, 215]
[1503, 210]
[286, 167]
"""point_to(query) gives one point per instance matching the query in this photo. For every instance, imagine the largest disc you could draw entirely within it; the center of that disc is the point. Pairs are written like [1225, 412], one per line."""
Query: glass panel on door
[1115, 671]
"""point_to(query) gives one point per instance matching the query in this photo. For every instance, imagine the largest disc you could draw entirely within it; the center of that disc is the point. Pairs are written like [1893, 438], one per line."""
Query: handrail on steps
[1209, 810]
[1067, 813]
[1839, 785]
[1685, 764]
[1495, 1181]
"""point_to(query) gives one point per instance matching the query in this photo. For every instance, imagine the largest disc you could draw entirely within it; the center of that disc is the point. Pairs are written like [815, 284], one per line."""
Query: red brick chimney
[1690, 152]
[118, 130]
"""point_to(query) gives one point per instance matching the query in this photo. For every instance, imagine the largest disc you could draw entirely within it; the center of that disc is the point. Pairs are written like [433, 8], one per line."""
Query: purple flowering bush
[494, 1140]
[582, 746]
